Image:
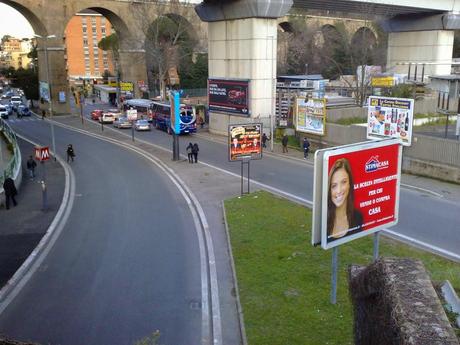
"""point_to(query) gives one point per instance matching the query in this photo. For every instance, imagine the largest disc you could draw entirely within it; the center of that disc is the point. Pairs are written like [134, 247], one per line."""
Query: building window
[94, 30]
[84, 29]
[103, 30]
[85, 42]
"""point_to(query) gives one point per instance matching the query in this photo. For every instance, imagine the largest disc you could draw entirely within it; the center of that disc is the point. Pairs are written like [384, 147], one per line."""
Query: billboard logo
[373, 164]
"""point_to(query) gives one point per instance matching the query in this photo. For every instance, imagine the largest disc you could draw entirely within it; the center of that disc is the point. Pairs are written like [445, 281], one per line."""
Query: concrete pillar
[60, 95]
[435, 46]
[245, 49]
[133, 68]
[242, 45]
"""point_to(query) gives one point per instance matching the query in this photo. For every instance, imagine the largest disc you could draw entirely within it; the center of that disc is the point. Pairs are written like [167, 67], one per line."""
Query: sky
[13, 23]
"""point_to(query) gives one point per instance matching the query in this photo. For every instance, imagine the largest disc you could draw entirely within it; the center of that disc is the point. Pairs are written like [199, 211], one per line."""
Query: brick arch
[37, 25]
[366, 33]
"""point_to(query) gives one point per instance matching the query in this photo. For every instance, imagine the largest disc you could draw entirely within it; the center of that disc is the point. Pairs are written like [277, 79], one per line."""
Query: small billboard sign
[44, 90]
[244, 141]
[310, 115]
[229, 96]
[131, 114]
[390, 117]
[356, 191]
[42, 153]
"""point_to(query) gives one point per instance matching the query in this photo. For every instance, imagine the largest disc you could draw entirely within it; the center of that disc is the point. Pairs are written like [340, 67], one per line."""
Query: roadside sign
[244, 141]
[356, 191]
[390, 117]
[310, 116]
[42, 153]
[175, 112]
[131, 114]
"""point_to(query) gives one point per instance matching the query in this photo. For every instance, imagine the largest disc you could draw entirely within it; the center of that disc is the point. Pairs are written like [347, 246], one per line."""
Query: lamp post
[273, 105]
[50, 103]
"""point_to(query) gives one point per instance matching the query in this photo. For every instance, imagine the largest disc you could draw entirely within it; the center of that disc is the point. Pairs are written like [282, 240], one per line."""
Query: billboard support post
[175, 147]
[242, 175]
[376, 245]
[335, 255]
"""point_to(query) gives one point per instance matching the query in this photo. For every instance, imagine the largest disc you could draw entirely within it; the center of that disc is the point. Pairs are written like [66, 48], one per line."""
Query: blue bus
[161, 117]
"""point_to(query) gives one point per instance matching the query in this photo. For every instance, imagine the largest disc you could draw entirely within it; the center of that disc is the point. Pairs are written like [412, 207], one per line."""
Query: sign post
[175, 122]
[132, 116]
[42, 154]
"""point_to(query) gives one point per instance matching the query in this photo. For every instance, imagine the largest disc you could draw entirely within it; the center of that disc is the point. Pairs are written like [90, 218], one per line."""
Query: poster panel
[389, 117]
[229, 96]
[44, 90]
[310, 115]
[175, 112]
[360, 190]
[244, 141]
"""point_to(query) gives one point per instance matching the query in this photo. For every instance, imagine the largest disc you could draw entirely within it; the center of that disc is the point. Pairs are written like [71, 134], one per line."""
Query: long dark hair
[341, 163]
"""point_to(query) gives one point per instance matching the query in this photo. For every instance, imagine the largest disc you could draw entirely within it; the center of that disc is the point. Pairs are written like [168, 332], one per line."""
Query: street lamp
[50, 104]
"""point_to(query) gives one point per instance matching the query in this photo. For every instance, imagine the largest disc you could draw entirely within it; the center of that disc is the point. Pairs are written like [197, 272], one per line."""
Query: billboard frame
[229, 107]
[245, 156]
[323, 116]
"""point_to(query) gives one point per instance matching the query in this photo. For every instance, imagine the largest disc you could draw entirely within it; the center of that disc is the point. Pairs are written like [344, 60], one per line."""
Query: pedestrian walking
[189, 150]
[31, 165]
[306, 147]
[284, 142]
[195, 152]
[264, 140]
[70, 153]
[43, 114]
[10, 192]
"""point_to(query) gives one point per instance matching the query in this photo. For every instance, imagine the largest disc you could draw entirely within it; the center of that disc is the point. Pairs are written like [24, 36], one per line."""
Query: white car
[15, 102]
[142, 125]
[3, 112]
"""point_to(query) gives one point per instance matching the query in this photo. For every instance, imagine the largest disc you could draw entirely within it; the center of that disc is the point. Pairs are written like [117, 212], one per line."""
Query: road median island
[284, 282]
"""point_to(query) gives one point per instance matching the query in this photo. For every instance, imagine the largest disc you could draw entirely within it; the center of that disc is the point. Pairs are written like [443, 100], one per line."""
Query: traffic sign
[42, 153]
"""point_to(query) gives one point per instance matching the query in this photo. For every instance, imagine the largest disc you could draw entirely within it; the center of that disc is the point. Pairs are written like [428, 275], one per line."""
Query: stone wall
[395, 304]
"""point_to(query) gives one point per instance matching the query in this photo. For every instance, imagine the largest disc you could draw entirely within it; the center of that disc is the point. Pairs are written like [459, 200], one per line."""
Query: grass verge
[285, 283]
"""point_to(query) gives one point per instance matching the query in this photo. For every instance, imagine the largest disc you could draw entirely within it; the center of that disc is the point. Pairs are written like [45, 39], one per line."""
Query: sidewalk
[23, 226]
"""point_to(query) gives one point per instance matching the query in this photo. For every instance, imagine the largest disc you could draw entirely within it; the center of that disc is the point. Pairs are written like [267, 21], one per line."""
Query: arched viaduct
[129, 19]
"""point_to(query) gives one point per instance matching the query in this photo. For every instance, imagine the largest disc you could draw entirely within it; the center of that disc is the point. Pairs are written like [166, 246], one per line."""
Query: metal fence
[14, 163]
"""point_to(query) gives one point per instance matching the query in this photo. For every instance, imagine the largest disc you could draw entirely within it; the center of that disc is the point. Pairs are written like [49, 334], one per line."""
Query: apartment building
[14, 51]
[85, 61]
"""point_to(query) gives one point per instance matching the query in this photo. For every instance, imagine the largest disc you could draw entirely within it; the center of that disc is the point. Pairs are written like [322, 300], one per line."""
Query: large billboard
[44, 91]
[244, 141]
[229, 96]
[356, 191]
[310, 115]
[390, 118]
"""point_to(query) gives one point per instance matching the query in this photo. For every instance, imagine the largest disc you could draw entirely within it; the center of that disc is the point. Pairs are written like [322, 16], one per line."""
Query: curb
[235, 280]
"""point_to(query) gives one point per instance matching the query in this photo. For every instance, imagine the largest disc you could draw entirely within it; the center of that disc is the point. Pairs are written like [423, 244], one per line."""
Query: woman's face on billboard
[340, 187]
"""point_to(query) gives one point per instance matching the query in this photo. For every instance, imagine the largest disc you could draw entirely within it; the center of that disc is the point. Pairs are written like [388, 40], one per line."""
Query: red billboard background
[375, 174]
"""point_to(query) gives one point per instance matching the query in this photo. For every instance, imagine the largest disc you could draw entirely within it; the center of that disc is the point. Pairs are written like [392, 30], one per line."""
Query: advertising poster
[360, 190]
[44, 90]
[390, 118]
[245, 141]
[175, 111]
[229, 96]
[311, 116]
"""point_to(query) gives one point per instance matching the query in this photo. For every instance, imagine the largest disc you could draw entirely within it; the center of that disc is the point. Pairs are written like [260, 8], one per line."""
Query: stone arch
[285, 27]
[37, 25]
[331, 34]
[364, 36]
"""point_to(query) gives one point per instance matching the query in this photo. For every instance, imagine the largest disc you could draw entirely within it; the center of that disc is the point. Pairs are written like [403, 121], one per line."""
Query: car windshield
[16, 99]
[142, 122]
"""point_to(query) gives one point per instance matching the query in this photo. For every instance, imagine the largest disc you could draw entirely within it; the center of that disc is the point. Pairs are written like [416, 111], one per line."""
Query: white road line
[38, 255]
[408, 186]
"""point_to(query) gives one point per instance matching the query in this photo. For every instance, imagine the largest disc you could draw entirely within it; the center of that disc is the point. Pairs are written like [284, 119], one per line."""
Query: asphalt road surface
[127, 262]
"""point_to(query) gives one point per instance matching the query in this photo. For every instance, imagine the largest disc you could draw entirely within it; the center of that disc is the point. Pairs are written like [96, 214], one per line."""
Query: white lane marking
[408, 186]
[201, 219]
[424, 245]
[38, 255]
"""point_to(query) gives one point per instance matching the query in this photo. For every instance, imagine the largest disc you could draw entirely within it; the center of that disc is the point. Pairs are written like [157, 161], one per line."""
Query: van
[15, 102]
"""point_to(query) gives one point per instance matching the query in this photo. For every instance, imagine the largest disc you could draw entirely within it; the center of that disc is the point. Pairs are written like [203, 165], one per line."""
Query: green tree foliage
[110, 43]
[25, 79]
[194, 75]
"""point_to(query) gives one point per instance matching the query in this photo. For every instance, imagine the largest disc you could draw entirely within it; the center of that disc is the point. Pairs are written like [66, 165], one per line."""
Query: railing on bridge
[14, 163]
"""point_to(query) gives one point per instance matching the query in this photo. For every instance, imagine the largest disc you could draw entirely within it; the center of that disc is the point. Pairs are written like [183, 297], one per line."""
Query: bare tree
[167, 35]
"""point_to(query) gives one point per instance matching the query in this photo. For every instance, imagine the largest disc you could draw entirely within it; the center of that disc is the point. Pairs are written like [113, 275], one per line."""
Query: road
[126, 263]
[423, 216]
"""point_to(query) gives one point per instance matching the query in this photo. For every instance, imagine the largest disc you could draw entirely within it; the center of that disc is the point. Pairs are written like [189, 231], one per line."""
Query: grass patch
[285, 283]
[350, 120]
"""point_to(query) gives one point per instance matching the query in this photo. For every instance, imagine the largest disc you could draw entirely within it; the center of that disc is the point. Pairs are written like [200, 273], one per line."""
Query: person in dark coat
[10, 192]
[306, 147]
[189, 150]
[195, 152]
[284, 142]
[70, 153]
[264, 140]
[31, 166]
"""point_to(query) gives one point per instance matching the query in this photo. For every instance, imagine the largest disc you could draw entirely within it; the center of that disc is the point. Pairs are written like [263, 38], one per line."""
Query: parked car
[3, 112]
[142, 125]
[115, 112]
[96, 114]
[15, 102]
[106, 117]
[23, 110]
[122, 122]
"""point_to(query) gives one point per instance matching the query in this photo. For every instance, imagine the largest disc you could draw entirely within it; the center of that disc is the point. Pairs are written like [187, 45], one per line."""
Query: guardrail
[14, 164]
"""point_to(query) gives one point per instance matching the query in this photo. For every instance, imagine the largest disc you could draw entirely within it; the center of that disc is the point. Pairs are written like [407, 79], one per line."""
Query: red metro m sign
[42, 153]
